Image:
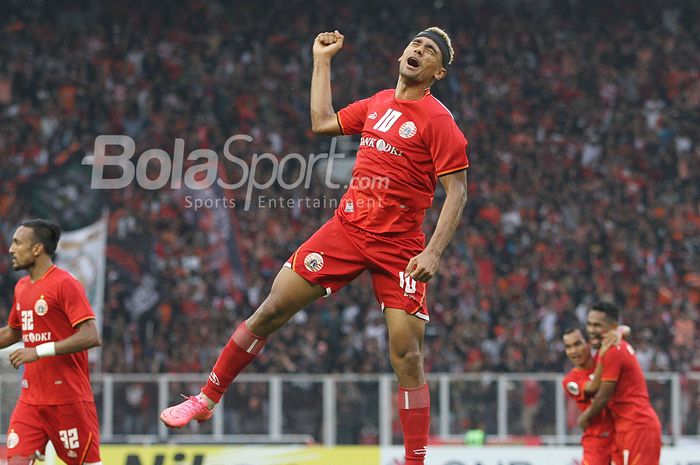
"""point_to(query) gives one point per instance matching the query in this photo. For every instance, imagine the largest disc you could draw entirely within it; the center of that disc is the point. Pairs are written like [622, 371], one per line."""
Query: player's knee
[407, 358]
[271, 310]
[20, 460]
[271, 315]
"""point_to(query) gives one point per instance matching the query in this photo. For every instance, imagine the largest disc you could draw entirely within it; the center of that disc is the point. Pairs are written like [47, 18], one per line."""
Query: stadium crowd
[582, 119]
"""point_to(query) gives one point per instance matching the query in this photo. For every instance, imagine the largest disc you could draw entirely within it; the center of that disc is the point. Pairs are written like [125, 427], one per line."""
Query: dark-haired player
[52, 316]
[409, 142]
[581, 383]
[623, 390]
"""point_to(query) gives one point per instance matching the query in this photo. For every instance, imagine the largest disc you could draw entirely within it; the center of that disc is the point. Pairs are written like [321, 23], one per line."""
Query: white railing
[348, 409]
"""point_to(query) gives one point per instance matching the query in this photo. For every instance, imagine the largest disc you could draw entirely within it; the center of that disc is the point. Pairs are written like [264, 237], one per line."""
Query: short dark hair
[571, 329]
[46, 233]
[610, 310]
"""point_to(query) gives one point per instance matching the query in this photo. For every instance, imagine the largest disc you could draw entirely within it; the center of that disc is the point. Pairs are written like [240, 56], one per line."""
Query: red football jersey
[48, 311]
[574, 383]
[629, 404]
[404, 146]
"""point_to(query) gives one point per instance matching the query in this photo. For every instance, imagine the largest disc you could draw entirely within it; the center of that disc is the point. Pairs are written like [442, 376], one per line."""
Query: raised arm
[592, 386]
[323, 117]
[424, 266]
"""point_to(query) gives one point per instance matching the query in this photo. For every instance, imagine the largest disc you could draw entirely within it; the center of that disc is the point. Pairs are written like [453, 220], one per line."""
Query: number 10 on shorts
[69, 437]
[407, 283]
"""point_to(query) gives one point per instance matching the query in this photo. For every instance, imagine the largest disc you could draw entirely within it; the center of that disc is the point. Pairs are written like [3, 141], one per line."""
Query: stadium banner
[122, 454]
[83, 252]
[238, 455]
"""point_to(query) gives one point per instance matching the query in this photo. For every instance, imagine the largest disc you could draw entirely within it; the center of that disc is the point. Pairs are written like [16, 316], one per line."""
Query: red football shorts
[338, 252]
[597, 450]
[72, 428]
[639, 447]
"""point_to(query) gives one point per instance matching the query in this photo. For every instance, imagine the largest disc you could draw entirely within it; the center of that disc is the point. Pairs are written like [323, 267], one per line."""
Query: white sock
[210, 403]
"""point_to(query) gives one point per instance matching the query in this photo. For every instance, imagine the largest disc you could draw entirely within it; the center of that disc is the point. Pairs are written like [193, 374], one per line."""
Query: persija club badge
[41, 307]
[313, 262]
[12, 440]
[407, 130]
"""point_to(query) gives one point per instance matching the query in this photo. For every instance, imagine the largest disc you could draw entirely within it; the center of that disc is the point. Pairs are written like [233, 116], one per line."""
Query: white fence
[359, 409]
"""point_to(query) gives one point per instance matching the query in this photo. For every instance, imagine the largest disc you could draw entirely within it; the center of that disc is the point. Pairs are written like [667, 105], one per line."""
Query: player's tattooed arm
[9, 335]
[601, 399]
[85, 337]
[425, 265]
[323, 116]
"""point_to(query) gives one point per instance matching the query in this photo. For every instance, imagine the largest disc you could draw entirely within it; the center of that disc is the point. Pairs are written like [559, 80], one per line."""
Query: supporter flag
[61, 192]
[83, 252]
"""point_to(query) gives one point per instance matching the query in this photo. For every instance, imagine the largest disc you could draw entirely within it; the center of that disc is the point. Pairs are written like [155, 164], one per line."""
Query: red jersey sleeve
[447, 145]
[13, 317]
[352, 118]
[612, 364]
[574, 386]
[75, 302]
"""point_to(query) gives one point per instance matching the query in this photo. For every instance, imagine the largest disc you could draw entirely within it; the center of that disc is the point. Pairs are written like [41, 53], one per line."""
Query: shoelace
[194, 406]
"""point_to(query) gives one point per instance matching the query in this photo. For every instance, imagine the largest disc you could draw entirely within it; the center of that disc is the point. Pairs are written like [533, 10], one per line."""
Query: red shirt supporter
[47, 311]
[405, 146]
[630, 404]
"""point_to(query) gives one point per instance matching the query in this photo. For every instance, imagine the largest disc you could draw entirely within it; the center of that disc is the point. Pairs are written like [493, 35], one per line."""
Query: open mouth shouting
[413, 62]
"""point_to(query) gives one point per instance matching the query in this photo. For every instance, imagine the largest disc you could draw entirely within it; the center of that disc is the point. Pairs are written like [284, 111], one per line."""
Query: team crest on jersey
[41, 307]
[12, 440]
[573, 388]
[373, 115]
[407, 130]
[349, 206]
[313, 262]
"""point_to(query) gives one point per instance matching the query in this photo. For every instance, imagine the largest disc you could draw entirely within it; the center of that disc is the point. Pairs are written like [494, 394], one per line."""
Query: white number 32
[69, 437]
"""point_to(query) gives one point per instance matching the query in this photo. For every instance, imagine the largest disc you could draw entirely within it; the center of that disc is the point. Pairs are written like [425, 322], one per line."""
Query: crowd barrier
[347, 409]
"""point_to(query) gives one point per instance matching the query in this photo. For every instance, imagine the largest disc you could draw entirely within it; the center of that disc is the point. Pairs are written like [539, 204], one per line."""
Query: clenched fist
[327, 44]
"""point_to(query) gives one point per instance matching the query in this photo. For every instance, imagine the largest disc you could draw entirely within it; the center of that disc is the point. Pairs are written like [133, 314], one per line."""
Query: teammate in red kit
[409, 141]
[581, 384]
[623, 390]
[52, 316]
